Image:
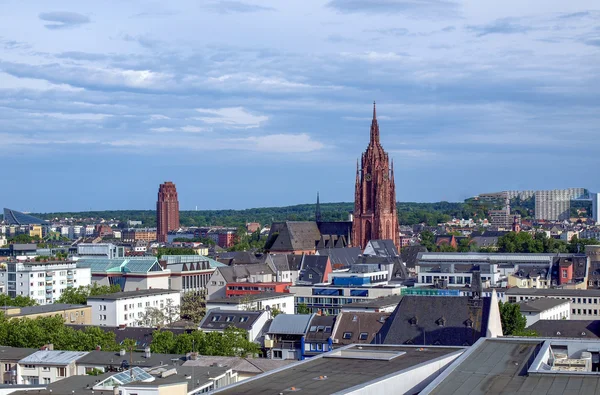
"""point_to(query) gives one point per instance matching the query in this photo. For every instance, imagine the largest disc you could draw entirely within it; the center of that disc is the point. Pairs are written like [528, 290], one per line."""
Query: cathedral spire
[318, 210]
[374, 127]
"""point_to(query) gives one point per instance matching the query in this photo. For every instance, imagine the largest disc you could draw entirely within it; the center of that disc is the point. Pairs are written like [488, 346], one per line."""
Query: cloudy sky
[259, 103]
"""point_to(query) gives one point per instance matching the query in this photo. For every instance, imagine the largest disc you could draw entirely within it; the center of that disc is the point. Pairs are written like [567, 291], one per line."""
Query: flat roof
[48, 308]
[385, 301]
[133, 294]
[553, 292]
[499, 366]
[542, 304]
[247, 298]
[360, 365]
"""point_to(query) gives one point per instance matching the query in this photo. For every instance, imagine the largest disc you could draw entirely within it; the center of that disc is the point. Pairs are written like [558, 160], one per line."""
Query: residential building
[386, 304]
[545, 309]
[341, 258]
[9, 358]
[354, 327]
[354, 370]
[223, 275]
[167, 211]
[555, 205]
[565, 329]
[114, 361]
[217, 320]
[585, 303]
[593, 270]
[286, 336]
[3, 240]
[100, 250]
[286, 267]
[47, 366]
[72, 313]
[138, 234]
[314, 269]
[129, 308]
[227, 238]
[43, 281]
[283, 302]
[189, 273]
[318, 338]
[244, 367]
[522, 365]
[130, 273]
[245, 288]
[375, 214]
[442, 321]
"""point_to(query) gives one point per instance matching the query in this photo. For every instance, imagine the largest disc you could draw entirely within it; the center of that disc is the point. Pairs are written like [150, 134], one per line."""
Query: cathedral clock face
[368, 177]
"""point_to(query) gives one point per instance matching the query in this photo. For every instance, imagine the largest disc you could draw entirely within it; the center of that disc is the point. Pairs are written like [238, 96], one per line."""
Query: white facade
[555, 204]
[560, 312]
[46, 367]
[283, 303]
[100, 250]
[128, 308]
[585, 304]
[43, 281]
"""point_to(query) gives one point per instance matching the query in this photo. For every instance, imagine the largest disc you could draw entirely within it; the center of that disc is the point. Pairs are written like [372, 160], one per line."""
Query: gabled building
[223, 275]
[318, 339]
[341, 258]
[47, 366]
[306, 237]
[354, 327]
[190, 273]
[217, 320]
[315, 269]
[129, 273]
[286, 336]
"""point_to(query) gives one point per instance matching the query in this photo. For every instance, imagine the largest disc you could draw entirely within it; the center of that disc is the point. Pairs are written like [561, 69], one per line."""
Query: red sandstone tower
[167, 211]
[375, 214]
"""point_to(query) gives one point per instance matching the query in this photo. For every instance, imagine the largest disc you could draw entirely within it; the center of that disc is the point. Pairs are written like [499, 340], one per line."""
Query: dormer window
[469, 323]
[413, 321]
[441, 321]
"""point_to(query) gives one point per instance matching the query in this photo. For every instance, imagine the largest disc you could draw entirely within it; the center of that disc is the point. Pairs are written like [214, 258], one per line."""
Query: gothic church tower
[375, 215]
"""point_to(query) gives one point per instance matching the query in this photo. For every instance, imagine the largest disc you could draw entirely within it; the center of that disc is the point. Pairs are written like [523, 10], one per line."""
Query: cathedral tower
[375, 215]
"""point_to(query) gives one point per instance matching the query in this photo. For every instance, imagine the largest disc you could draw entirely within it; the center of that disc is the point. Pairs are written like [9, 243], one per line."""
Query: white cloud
[285, 143]
[158, 117]
[194, 129]
[235, 117]
[162, 129]
[74, 117]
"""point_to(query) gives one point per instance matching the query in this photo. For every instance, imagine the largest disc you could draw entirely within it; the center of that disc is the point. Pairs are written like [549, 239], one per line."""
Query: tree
[153, 318]
[79, 295]
[513, 322]
[193, 307]
[577, 245]
[275, 312]
[428, 240]
[302, 308]
[163, 342]
[17, 301]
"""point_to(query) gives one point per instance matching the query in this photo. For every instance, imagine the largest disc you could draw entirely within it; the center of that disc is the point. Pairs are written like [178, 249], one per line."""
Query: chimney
[147, 353]
[122, 352]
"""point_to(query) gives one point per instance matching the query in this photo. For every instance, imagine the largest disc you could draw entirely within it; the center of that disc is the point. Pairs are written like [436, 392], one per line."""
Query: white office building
[100, 250]
[555, 205]
[43, 281]
[129, 308]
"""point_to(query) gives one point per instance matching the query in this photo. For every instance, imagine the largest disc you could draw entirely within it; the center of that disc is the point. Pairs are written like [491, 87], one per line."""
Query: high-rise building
[167, 211]
[555, 205]
[375, 214]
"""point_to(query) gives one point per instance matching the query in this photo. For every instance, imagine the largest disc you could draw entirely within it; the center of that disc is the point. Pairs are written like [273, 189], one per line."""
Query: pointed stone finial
[374, 111]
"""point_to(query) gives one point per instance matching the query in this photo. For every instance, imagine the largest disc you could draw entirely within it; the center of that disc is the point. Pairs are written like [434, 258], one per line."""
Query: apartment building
[100, 250]
[43, 281]
[585, 303]
[129, 308]
[47, 366]
[555, 204]
[72, 313]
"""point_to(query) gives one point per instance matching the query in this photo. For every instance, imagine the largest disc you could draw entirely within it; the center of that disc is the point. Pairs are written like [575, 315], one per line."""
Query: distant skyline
[248, 104]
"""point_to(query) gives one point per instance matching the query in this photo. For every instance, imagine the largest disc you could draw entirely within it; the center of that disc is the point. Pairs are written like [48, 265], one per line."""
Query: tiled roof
[290, 324]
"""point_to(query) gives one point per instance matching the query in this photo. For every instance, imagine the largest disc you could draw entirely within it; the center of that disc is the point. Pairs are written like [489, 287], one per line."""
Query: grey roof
[133, 294]
[321, 328]
[81, 384]
[342, 373]
[350, 325]
[292, 235]
[219, 319]
[249, 298]
[313, 269]
[553, 292]
[237, 273]
[142, 336]
[54, 357]
[290, 324]
[409, 255]
[582, 329]
[13, 217]
[48, 308]
[377, 303]
[499, 366]
[385, 248]
[341, 257]
[111, 358]
[437, 320]
[541, 304]
[489, 257]
[14, 353]
[238, 258]
[238, 364]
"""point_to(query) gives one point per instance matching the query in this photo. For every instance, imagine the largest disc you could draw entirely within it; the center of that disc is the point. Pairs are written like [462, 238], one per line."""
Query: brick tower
[375, 214]
[167, 211]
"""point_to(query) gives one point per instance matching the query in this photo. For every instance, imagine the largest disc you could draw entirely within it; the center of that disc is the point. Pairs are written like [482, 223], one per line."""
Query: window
[320, 328]
[313, 328]
[347, 335]
[564, 273]
[310, 275]
[277, 354]
[45, 368]
[243, 319]
[29, 366]
[319, 347]
[216, 318]
[46, 380]
[363, 336]
[61, 372]
[313, 347]
[327, 329]
[229, 318]
[7, 367]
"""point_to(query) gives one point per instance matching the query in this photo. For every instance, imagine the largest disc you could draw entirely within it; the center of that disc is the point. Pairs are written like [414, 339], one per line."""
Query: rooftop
[48, 308]
[133, 294]
[378, 303]
[47, 357]
[340, 370]
[542, 304]
[250, 298]
[553, 292]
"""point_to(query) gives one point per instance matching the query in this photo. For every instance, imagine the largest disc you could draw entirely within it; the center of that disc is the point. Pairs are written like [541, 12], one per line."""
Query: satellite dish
[268, 308]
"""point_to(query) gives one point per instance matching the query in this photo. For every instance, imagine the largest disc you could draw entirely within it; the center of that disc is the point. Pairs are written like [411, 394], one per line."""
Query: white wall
[283, 303]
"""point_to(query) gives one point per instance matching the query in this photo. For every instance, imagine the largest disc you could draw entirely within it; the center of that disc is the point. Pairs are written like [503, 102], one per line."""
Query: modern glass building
[12, 217]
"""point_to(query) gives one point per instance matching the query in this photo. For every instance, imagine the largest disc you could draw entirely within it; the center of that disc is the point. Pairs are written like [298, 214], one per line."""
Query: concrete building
[585, 303]
[72, 313]
[47, 366]
[545, 309]
[217, 320]
[595, 207]
[283, 302]
[131, 273]
[100, 250]
[555, 205]
[43, 281]
[137, 234]
[9, 358]
[129, 308]
[189, 273]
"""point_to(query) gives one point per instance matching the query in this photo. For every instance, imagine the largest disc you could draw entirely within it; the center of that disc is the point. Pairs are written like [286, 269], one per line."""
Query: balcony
[69, 276]
[49, 288]
[48, 278]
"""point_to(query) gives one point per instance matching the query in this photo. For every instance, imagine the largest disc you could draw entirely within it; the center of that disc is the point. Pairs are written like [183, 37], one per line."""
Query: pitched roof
[584, 329]
[15, 353]
[290, 324]
[385, 248]
[313, 269]
[409, 254]
[245, 365]
[247, 298]
[350, 325]
[51, 357]
[292, 235]
[541, 304]
[121, 265]
[142, 336]
[219, 319]
[437, 320]
[321, 328]
[235, 273]
[341, 257]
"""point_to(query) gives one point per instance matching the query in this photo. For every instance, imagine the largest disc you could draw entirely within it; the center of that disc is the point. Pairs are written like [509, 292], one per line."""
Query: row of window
[361, 336]
[451, 279]
[513, 299]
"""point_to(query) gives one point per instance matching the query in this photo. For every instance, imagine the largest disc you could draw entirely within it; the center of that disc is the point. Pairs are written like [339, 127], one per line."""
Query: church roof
[295, 235]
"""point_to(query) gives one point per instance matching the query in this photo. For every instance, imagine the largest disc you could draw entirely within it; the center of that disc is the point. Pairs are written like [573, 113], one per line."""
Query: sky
[263, 103]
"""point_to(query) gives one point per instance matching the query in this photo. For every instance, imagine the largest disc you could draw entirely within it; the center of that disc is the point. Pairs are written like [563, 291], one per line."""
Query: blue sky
[259, 103]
